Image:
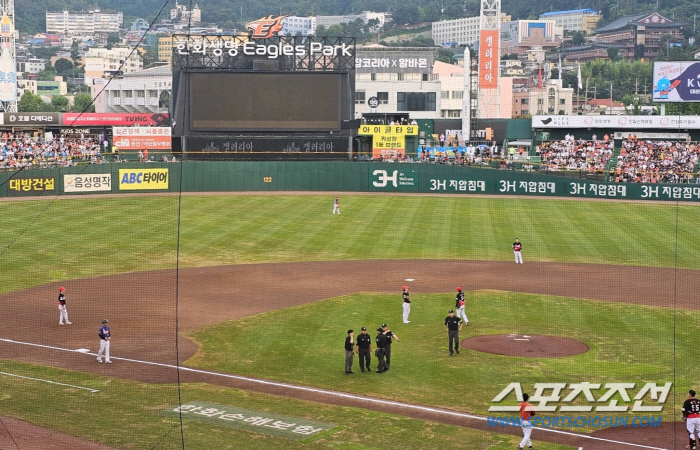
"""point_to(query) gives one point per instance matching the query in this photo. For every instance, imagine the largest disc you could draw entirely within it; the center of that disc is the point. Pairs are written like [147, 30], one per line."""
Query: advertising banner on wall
[676, 81]
[376, 61]
[394, 180]
[488, 59]
[139, 138]
[108, 119]
[30, 119]
[31, 185]
[388, 140]
[614, 121]
[143, 179]
[99, 182]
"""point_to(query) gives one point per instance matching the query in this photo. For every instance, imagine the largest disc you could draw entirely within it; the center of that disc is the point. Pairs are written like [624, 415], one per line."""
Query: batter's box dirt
[525, 345]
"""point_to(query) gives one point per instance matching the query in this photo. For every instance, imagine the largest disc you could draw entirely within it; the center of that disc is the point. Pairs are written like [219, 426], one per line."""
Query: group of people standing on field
[363, 347]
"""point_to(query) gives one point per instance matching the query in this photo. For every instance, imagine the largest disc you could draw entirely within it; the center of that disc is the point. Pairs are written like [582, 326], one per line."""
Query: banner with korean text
[388, 140]
[488, 59]
[139, 138]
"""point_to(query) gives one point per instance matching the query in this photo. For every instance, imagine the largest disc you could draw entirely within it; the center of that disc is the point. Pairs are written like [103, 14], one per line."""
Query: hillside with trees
[30, 14]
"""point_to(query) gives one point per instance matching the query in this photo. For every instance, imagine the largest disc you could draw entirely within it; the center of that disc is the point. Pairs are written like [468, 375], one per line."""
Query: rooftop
[584, 11]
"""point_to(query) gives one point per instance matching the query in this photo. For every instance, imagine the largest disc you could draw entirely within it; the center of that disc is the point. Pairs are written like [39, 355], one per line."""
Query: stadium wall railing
[229, 176]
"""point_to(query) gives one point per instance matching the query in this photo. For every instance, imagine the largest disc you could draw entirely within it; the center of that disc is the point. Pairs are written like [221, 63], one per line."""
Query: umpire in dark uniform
[389, 336]
[364, 349]
[453, 325]
[380, 341]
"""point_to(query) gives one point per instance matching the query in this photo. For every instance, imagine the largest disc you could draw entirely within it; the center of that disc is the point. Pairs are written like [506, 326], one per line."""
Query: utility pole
[611, 100]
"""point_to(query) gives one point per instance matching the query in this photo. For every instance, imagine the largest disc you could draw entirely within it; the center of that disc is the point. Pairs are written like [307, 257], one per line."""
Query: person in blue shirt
[105, 335]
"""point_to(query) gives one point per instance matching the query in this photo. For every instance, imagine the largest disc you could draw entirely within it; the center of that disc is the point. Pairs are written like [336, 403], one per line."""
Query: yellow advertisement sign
[410, 130]
[141, 179]
[388, 139]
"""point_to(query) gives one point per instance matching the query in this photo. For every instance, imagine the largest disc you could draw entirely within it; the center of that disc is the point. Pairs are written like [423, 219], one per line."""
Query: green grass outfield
[46, 241]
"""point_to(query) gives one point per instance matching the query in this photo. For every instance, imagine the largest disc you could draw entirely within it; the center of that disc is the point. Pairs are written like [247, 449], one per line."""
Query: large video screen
[265, 101]
[676, 81]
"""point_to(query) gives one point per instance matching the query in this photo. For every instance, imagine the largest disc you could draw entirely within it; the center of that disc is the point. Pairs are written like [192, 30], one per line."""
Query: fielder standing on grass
[459, 306]
[105, 335]
[517, 251]
[406, 305]
[62, 311]
[336, 206]
[526, 412]
[691, 415]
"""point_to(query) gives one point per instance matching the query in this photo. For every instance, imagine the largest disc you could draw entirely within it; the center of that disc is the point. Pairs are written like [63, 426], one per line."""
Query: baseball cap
[61, 288]
[105, 321]
[383, 325]
[351, 331]
[405, 287]
[459, 288]
[450, 311]
[364, 328]
[379, 329]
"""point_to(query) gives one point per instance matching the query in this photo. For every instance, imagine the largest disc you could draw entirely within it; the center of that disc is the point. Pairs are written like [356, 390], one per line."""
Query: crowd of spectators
[655, 162]
[575, 154]
[21, 150]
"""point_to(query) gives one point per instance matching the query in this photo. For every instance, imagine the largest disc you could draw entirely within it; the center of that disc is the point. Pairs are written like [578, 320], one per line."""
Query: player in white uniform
[459, 306]
[62, 311]
[336, 206]
[517, 249]
[406, 305]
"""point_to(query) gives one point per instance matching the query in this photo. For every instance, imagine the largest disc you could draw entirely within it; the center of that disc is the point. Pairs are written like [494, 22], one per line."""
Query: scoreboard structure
[282, 97]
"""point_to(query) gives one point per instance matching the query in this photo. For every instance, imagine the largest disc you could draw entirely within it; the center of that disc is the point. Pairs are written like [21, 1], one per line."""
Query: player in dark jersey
[459, 306]
[406, 305]
[691, 415]
[517, 251]
[62, 311]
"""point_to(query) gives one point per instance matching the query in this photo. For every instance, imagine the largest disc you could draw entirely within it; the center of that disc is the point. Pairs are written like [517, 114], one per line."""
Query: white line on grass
[48, 381]
[334, 394]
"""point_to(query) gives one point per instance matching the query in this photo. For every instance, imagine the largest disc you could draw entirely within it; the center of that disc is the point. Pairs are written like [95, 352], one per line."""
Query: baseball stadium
[203, 301]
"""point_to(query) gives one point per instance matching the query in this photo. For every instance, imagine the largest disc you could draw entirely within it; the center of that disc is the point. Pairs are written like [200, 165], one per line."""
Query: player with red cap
[62, 311]
[406, 305]
[459, 306]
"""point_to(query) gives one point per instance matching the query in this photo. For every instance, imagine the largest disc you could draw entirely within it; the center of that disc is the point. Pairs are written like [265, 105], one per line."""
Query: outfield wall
[230, 176]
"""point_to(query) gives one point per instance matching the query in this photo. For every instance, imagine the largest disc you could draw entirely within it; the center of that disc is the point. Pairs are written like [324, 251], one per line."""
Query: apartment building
[81, 23]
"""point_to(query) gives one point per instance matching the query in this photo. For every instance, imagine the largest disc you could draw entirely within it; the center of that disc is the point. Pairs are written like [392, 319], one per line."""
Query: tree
[578, 38]
[47, 74]
[613, 53]
[59, 103]
[83, 103]
[112, 39]
[30, 103]
[63, 66]
[75, 53]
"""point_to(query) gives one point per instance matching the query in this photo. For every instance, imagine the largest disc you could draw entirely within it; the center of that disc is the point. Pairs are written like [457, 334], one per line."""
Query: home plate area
[525, 345]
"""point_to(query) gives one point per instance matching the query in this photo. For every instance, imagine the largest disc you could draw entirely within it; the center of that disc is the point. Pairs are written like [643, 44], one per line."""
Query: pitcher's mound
[525, 345]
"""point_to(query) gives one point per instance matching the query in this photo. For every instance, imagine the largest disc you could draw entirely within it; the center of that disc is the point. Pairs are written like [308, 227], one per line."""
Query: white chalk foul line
[48, 381]
[335, 394]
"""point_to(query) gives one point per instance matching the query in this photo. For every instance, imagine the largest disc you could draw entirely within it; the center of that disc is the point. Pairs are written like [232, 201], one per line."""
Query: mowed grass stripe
[114, 235]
